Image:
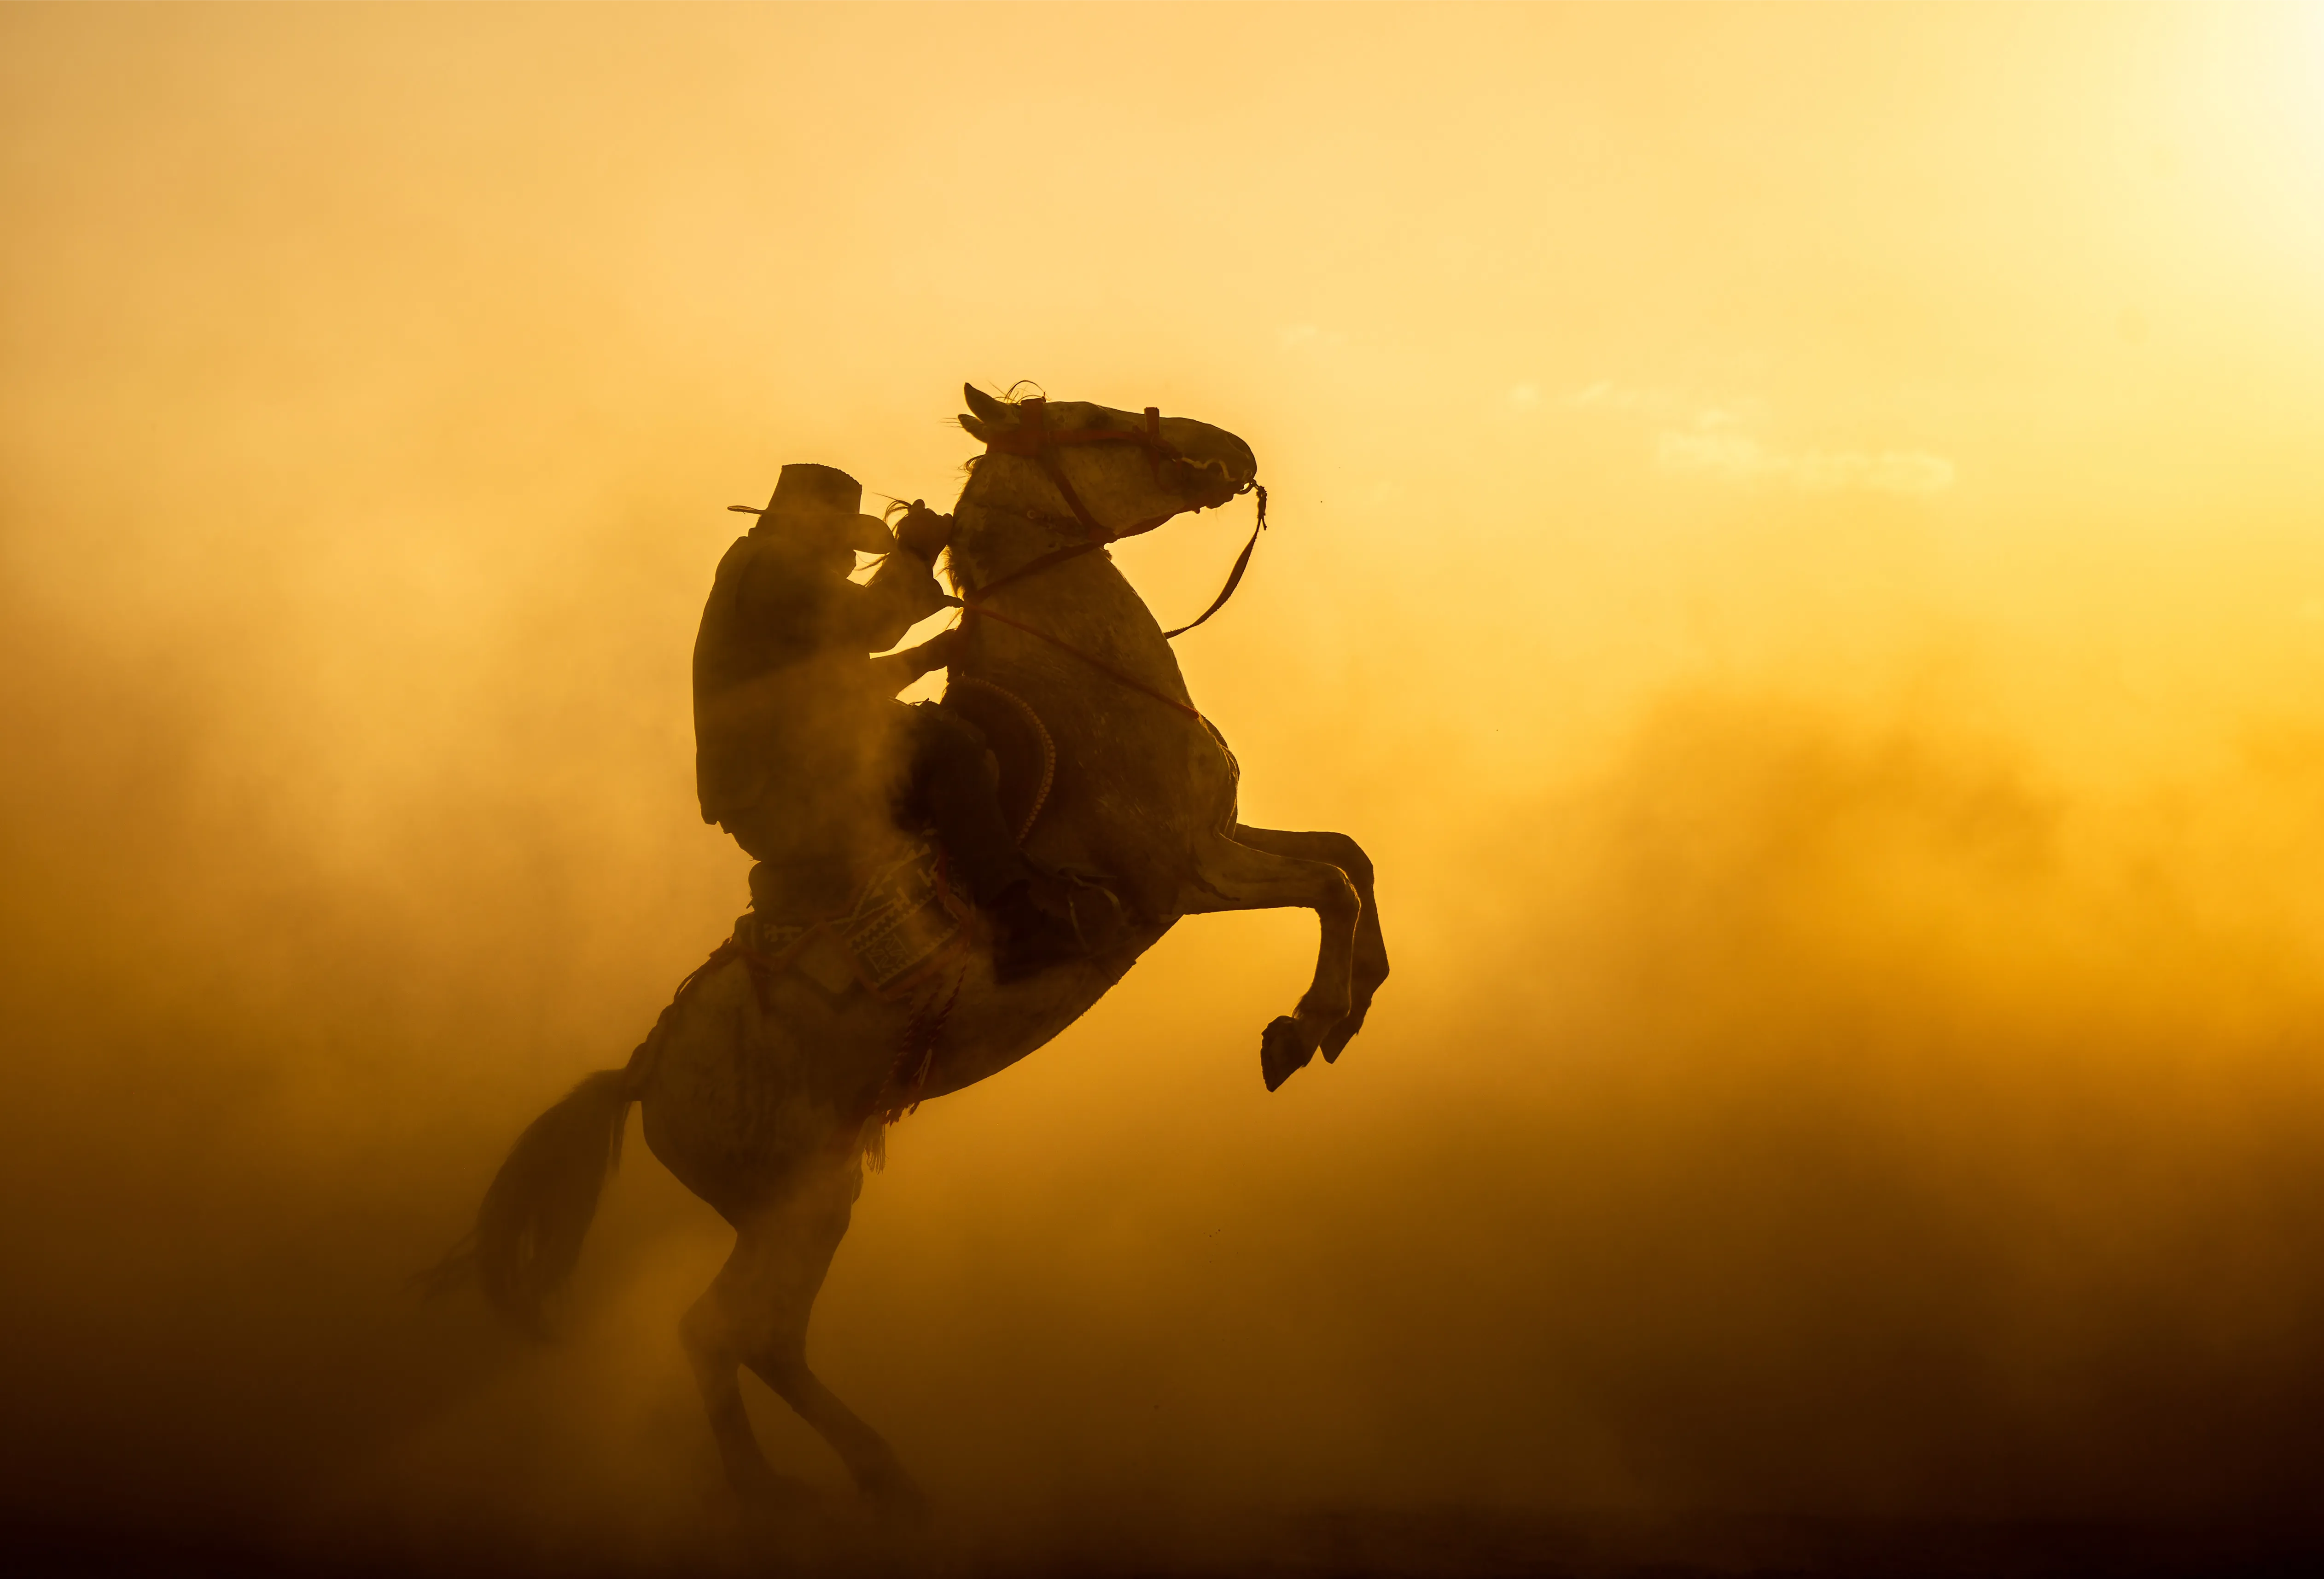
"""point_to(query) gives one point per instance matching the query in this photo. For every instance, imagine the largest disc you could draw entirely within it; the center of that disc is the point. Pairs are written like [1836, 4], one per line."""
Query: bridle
[1035, 439]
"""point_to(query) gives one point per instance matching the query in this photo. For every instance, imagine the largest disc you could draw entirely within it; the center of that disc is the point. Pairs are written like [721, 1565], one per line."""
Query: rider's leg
[950, 783]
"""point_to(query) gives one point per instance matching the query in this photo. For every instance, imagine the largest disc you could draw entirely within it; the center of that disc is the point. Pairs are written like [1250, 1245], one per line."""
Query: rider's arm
[903, 591]
[899, 669]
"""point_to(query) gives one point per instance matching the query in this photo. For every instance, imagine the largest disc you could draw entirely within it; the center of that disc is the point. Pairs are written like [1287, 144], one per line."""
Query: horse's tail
[536, 1211]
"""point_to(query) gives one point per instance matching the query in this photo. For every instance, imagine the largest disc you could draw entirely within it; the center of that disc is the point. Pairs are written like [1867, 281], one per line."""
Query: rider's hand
[923, 531]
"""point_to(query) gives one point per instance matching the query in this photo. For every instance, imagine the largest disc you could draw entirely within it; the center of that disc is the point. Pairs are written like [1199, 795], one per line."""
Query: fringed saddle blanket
[906, 940]
[905, 926]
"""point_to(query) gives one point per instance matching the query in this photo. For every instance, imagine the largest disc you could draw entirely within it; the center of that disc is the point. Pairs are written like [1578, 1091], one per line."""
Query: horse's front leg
[1371, 948]
[1230, 874]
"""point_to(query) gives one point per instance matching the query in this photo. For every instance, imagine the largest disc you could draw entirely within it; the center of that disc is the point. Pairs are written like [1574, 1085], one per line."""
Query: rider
[801, 750]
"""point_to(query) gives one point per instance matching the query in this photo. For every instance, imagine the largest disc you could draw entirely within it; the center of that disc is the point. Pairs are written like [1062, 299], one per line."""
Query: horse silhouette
[764, 1087]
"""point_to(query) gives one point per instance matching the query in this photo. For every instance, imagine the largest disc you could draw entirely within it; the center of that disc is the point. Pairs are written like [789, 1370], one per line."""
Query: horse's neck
[1084, 602]
[988, 540]
[996, 532]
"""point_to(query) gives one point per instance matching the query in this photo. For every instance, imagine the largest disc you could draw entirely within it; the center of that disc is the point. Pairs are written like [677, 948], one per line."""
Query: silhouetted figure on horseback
[802, 752]
[852, 991]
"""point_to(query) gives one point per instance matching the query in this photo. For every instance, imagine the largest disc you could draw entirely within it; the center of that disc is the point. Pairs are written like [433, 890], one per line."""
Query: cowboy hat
[822, 501]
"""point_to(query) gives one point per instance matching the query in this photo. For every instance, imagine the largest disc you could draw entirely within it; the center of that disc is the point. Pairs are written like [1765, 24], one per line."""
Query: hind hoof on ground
[764, 1494]
[899, 1507]
[1282, 1051]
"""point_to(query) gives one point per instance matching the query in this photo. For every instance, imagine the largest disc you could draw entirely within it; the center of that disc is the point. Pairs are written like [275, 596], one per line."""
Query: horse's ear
[975, 429]
[986, 408]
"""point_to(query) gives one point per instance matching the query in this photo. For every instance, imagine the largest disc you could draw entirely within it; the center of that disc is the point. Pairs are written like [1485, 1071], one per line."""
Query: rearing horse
[761, 1089]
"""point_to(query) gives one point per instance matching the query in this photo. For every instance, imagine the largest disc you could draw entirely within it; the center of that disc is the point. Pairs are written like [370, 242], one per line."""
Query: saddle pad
[904, 924]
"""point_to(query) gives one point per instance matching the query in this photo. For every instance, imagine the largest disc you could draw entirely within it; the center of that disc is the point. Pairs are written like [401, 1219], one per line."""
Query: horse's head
[1092, 472]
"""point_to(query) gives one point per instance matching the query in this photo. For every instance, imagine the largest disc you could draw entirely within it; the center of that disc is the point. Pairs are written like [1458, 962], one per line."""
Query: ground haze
[1796, 548]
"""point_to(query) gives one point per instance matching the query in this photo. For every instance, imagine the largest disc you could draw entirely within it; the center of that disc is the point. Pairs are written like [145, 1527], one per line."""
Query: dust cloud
[1796, 552]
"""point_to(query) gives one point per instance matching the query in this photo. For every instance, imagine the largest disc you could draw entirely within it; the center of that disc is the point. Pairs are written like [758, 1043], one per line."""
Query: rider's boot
[1039, 920]
[1029, 936]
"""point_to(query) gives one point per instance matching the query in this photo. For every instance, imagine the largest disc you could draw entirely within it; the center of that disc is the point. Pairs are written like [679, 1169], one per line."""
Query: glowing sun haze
[1798, 547]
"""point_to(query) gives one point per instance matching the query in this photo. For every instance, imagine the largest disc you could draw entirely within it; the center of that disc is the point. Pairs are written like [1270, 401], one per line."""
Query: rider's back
[789, 750]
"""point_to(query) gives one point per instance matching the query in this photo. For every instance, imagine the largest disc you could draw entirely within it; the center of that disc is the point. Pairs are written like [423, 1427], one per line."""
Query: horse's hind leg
[712, 1333]
[756, 1312]
[1233, 875]
[1370, 964]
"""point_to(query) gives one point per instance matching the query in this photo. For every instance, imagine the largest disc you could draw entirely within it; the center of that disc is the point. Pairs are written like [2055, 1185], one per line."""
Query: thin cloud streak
[1734, 457]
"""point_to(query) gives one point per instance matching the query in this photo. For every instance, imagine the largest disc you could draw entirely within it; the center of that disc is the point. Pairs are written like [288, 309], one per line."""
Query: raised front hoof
[1337, 1039]
[1283, 1050]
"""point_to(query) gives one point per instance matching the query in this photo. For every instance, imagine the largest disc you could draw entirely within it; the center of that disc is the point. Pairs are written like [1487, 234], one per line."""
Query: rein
[1234, 576]
[977, 610]
[1036, 439]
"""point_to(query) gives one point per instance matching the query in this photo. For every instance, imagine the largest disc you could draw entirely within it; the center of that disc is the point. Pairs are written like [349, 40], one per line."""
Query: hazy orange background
[1796, 548]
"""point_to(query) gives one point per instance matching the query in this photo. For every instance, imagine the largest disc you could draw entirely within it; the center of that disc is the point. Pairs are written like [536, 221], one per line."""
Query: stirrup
[1096, 912]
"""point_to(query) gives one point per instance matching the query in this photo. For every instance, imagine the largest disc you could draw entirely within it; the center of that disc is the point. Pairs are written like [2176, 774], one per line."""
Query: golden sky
[1798, 547]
